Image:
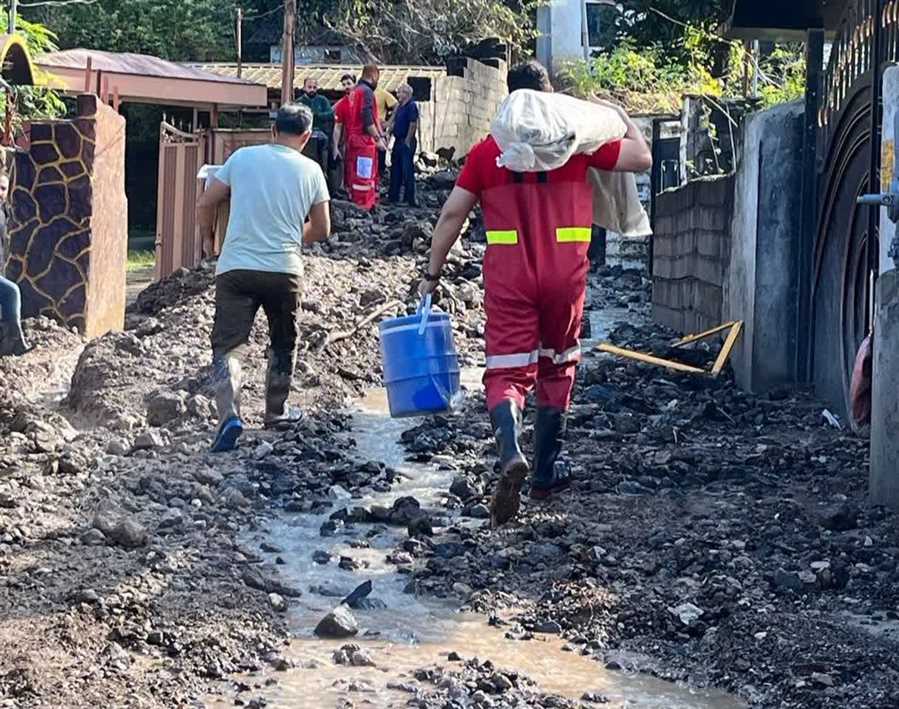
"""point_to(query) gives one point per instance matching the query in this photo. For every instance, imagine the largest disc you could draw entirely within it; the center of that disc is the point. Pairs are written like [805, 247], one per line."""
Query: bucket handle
[424, 309]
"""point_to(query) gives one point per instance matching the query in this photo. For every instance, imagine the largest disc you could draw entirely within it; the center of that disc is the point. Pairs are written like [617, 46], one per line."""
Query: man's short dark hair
[348, 76]
[293, 119]
[529, 75]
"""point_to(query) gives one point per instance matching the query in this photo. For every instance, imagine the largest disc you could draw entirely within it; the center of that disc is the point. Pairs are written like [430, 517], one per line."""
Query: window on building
[601, 18]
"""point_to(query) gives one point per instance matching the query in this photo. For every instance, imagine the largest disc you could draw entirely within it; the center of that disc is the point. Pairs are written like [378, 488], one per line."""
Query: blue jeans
[402, 172]
[10, 301]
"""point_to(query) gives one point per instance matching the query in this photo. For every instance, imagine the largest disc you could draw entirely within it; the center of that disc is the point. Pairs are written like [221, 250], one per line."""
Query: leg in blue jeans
[10, 301]
[12, 340]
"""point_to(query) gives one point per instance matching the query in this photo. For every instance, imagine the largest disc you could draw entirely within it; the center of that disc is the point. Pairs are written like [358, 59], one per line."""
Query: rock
[404, 510]
[787, 580]
[840, 518]
[339, 623]
[501, 682]
[549, 627]
[172, 518]
[277, 602]
[687, 613]
[360, 592]
[117, 446]
[463, 488]
[479, 511]
[321, 557]
[129, 533]
[263, 450]
[164, 407]
[148, 440]
[255, 578]
[420, 527]
[93, 538]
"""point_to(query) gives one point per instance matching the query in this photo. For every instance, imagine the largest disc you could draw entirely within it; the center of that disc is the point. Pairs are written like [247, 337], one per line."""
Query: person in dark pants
[405, 129]
[273, 189]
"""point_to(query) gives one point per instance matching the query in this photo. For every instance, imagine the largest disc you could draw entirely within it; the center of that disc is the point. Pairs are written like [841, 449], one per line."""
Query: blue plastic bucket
[421, 367]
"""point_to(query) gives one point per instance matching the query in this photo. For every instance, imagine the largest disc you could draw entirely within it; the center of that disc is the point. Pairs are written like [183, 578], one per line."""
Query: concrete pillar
[885, 395]
[884, 476]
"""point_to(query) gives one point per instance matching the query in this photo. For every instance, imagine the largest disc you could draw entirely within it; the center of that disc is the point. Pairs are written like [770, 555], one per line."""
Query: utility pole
[239, 35]
[13, 12]
[287, 58]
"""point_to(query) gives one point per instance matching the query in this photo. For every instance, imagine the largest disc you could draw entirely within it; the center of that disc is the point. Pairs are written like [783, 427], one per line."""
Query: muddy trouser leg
[236, 304]
[281, 304]
[512, 349]
[560, 324]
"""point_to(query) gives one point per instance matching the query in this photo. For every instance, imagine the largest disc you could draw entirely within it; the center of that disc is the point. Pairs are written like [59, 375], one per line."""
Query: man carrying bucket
[535, 269]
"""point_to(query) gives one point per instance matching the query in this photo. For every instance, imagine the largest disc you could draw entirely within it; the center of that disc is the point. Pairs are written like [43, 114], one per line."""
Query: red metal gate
[181, 155]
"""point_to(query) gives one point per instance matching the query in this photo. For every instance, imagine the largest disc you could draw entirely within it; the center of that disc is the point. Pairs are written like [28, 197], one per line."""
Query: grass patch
[141, 260]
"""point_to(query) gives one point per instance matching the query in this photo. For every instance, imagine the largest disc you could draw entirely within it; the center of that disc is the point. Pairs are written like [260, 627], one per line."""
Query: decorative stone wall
[69, 227]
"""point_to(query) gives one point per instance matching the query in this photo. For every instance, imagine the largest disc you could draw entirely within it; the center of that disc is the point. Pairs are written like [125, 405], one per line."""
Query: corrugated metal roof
[327, 76]
[134, 64]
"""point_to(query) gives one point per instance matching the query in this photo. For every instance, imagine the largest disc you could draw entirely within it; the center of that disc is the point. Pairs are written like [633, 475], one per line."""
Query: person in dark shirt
[318, 147]
[405, 131]
[12, 339]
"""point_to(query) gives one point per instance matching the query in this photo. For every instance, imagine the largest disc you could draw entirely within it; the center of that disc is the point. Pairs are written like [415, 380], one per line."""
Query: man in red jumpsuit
[358, 116]
[535, 274]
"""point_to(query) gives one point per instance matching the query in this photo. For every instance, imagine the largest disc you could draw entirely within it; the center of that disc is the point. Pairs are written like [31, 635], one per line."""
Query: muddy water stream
[406, 633]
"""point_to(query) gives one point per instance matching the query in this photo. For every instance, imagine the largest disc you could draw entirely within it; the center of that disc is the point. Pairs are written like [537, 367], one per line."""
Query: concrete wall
[691, 251]
[69, 226]
[560, 23]
[762, 280]
[462, 107]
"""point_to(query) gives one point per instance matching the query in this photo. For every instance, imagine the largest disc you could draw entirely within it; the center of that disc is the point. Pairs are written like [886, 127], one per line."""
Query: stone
[255, 578]
[164, 407]
[548, 627]
[149, 440]
[361, 591]
[840, 518]
[129, 533]
[263, 450]
[463, 488]
[339, 623]
[172, 518]
[321, 557]
[117, 446]
[687, 613]
[277, 602]
[93, 538]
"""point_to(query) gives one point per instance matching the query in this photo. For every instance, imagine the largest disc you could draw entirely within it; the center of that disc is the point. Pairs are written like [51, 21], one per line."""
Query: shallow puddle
[407, 633]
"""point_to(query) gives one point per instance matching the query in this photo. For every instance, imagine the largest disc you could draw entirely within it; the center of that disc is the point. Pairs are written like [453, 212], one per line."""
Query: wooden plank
[650, 359]
[729, 343]
[689, 339]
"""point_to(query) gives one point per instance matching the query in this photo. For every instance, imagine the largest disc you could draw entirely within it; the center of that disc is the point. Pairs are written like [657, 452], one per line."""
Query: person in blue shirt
[405, 133]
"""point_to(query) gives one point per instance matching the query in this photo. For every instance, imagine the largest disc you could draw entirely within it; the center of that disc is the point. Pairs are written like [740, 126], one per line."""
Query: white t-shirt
[273, 187]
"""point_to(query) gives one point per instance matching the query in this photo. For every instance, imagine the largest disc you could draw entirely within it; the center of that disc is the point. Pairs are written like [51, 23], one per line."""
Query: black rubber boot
[226, 373]
[278, 377]
[506, 422]
[549, 476]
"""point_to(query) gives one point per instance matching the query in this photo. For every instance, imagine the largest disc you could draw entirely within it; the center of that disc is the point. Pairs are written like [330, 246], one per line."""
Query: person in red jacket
[535, 273]
[358, 118]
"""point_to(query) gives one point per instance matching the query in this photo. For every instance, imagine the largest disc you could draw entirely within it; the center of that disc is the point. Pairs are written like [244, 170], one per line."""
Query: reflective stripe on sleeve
[507, 237]
[573, 234]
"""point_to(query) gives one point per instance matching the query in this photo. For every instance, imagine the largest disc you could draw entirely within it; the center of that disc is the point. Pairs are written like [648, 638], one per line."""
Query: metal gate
[177, 240]
[846, 250]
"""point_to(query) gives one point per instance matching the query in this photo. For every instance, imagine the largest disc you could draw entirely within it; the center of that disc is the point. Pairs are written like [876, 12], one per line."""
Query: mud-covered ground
[711, 536]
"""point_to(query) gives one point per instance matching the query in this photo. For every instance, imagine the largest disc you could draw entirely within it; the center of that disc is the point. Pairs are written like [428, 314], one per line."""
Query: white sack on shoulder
[538, 131]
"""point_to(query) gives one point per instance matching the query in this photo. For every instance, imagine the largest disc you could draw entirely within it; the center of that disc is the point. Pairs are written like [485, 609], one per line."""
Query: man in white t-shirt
[279, 201]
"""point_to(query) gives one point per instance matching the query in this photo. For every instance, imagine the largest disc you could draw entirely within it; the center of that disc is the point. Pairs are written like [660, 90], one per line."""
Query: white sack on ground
[538, 131]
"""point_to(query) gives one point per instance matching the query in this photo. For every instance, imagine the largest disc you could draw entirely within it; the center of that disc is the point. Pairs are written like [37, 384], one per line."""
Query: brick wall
[691, 252]
[462, 107]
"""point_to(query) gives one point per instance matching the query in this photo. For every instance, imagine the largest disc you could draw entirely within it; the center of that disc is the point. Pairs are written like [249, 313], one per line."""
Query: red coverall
[535, 271]
[361, 158]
